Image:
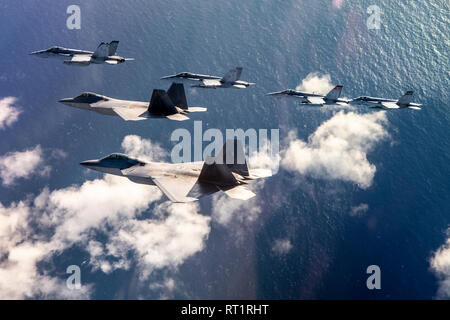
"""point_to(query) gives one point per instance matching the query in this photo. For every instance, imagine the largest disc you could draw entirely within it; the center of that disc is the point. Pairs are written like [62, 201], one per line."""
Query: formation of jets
[333, 98]
[185, 182]
[105, 53]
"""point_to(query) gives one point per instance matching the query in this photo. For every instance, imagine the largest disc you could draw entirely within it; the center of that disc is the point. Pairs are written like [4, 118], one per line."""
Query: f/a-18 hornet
[229, 80]
[105, 53]
[171, 105]
[186, 182]
[314, 99]
[403, 102]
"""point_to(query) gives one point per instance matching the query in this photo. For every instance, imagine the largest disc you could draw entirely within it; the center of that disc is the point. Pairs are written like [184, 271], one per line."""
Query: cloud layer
[440, 265]
[338, 148]
[8, 112]
[317, 83]
[22, 165]
[112, 209]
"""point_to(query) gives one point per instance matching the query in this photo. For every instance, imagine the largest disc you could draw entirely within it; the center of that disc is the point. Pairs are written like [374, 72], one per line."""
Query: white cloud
[282, 246]
[35, 230]
[8, 112]
[22, 164]
[359, 210]
[338, 148]
[316, 83]
[135, 146]
[440, 265]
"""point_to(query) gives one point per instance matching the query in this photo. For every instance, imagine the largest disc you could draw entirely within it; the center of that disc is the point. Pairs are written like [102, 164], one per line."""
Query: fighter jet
[229, 80]
[186, 182]
[171, 105]
[105, 53]
[314, 99]
[403, 102]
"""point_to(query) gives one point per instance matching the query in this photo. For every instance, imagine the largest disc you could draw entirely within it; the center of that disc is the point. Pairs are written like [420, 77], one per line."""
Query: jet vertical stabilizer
[334, 94]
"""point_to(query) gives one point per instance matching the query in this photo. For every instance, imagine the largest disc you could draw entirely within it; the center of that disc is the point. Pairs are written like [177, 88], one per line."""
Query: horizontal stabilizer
[239, 192]
[177, 117]
[239, 86]
[415, 107]
[111, 61]
[197, 109]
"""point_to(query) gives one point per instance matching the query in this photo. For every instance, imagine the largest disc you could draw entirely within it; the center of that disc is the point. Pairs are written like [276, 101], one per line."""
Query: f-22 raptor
[171, 105]
[388, 104]
[105, 53]
[229, 80]
[313, 99]
[187, 182]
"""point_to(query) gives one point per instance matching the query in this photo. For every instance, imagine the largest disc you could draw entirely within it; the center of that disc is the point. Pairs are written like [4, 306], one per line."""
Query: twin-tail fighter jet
[313, 99]
[388, 104]
[171, 105]
[186, 182]
[105, 53]
[229, 80]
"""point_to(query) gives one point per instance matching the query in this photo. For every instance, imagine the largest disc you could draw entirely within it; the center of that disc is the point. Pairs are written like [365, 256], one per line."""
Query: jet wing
[211, 83]
[79, 58]
[240, 192]
[175, 187]
[315, 100]
[389, 105]
[130, 114]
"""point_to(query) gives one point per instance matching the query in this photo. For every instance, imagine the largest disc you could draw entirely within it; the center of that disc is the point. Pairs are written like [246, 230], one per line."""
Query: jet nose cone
[88, 163]
[66, 101]
[168, 77]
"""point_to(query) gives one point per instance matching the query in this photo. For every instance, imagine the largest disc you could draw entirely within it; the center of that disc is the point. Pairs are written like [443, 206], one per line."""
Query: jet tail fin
[101, 51]
[113, 47]
[406, 98]
[233, 156]
[161, 104]
[335, 93]
[232, 75]
[177, 95]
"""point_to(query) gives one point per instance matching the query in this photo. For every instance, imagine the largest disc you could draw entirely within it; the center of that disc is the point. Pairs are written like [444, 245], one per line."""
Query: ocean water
[278, 44]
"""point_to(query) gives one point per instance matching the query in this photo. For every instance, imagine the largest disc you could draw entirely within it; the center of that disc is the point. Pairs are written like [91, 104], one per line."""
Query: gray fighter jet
[105, 53]
[186, 182]
[387, 104]
[171, 105]
[229, 80]
[314, 99]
